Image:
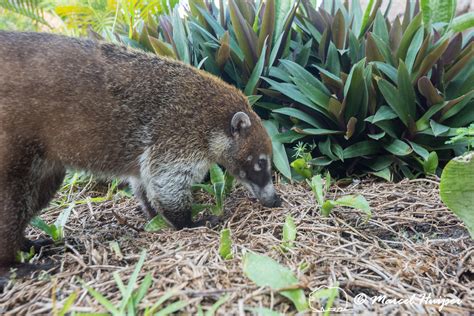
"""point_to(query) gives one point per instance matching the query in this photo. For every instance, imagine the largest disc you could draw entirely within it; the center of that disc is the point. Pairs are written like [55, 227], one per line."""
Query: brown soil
[412, 245]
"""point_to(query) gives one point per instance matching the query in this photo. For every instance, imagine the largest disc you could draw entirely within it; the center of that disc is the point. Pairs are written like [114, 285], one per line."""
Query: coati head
[248, 157]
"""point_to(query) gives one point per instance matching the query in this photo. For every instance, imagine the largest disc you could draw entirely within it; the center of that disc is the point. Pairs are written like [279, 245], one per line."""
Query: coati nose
[274, 202]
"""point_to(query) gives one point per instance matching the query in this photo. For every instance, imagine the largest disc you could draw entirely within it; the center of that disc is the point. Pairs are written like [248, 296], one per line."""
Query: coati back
[74, 103]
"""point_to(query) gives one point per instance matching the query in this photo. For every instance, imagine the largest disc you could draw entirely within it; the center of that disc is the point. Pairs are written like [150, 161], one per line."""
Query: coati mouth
[266, 194]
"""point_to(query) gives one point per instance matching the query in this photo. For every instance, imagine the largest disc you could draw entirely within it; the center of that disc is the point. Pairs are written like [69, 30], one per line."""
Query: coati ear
[239, 122]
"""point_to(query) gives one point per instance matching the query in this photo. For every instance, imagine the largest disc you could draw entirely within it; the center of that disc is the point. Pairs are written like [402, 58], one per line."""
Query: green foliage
[225, 245]
[56, 229]
[133, 293]
[265, 271]
[320, 189]
[106, 17]
[219, 187]
[374, 95]
[212, 311]
[465, 136]
[457, 189]
[289, 233]
[327, 295]
[31, 9]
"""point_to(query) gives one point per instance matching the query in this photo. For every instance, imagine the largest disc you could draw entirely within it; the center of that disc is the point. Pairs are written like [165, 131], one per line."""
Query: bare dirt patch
[412, 245]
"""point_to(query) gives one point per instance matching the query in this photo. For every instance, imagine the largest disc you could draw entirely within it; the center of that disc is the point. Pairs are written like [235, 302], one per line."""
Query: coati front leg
[168, 188]
[139, 191]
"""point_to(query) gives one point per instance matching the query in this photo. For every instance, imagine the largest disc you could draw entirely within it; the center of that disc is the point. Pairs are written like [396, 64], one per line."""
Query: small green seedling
[68, 303]
[320, 189]
[289, 233]
[219, 187]
[225, 245]
[302, 157]
[23, 257]
[132, 297]
[56, 229]
[464, 135]
[212, 311]
[169, 309]
[327, 295]
[264, 271]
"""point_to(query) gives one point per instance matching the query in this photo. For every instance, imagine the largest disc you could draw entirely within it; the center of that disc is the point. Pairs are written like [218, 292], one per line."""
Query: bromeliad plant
[237, 40]
[374, 96]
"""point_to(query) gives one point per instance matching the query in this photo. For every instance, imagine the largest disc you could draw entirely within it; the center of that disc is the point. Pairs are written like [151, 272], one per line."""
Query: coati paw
[36, 244]
[20, 270]
[209, 221]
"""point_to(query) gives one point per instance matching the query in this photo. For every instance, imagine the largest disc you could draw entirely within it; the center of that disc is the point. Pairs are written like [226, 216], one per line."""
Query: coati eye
[262, 163]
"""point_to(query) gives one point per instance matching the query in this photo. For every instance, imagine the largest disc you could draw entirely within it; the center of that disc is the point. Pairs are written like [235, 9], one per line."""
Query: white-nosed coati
[81, 104]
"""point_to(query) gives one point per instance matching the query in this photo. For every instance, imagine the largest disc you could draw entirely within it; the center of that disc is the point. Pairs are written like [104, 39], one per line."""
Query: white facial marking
[257, 167]
[242, 174]
[249, 158]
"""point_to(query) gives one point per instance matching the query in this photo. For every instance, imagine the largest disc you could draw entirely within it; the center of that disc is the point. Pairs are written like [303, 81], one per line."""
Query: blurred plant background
[341, 87]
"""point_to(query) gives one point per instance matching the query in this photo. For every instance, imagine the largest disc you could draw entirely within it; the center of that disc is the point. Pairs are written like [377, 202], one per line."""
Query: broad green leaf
[313, 93]
[365, 19]
[245, 36]
[156, 223]
[383, 113]
[463, 22]
[431, 59]
[161, 48]
[301, 167]
[414, 48]
[443, 10]
[380, 27]
[438, 129]
[457, 189]
[317, 185]
[338, 30]
[393, 98]
[355, 201]
[300, 72]
[256, 73]
[327, 207]
[408, 36]
[398, 148]
[225, 246]
[300, 115]
[41, 224]
[280, 159]
[431, 164]
[216, 174]
[267, 27]
[289, 232]
[388, 70]
[385, 174]
[406, 91]
[420, 150]
[264, 271]
[363, 148]
[179, 37]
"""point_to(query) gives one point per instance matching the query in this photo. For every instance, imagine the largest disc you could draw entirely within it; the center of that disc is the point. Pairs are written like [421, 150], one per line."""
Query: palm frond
[29, 8]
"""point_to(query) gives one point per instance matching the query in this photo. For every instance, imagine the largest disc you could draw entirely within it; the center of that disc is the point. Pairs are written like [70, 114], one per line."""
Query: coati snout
[250, 160]
[117, 112]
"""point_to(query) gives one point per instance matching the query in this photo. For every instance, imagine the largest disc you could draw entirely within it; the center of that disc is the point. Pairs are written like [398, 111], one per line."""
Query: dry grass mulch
[412, 245]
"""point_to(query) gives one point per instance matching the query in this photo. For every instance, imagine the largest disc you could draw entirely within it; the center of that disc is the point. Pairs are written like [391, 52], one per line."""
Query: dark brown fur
[80, 104]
